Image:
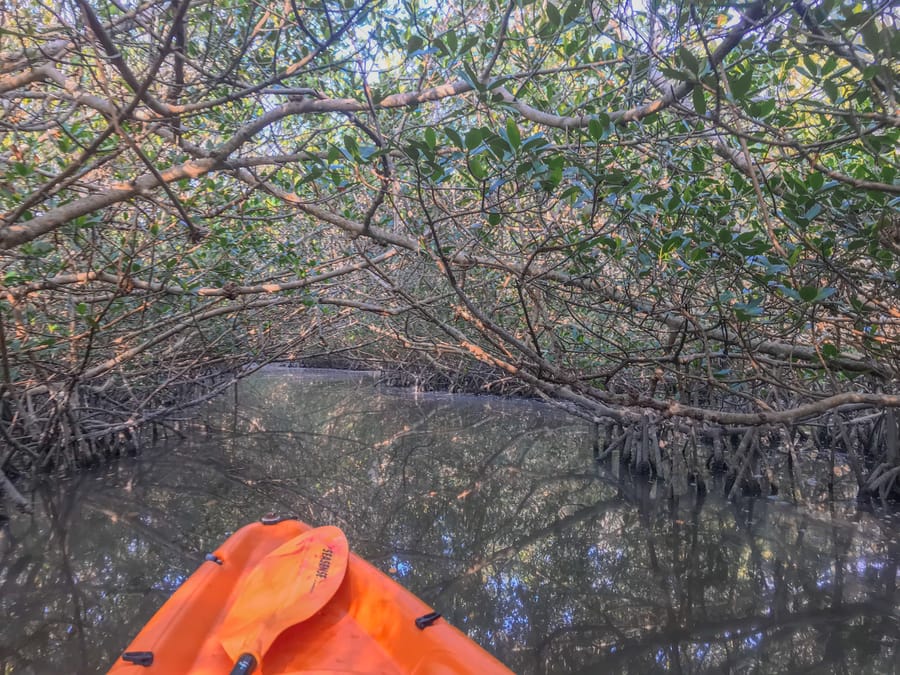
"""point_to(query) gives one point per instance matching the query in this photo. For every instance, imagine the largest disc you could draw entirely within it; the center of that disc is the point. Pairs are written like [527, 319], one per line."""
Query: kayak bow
[285, 598]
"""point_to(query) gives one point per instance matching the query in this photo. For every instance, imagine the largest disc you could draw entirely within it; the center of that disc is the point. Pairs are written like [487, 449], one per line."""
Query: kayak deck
[368, 626]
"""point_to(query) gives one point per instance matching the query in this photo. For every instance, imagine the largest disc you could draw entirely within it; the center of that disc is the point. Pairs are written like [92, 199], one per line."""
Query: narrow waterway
[493, 511]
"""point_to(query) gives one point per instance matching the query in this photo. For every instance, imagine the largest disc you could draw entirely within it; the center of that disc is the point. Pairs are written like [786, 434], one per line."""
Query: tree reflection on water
[490, 510]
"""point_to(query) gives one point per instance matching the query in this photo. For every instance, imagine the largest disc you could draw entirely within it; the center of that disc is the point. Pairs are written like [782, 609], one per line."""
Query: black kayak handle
[424, 621]
[144, 659]
[245, 665]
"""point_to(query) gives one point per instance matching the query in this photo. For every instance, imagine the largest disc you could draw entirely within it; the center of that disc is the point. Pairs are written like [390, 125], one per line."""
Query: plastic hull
[367, 627]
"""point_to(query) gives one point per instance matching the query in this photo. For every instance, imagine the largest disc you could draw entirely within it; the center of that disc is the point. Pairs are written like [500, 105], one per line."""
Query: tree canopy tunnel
[678, 219]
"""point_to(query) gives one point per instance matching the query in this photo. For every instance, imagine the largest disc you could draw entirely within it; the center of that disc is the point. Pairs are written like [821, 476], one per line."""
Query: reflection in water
[491, 511]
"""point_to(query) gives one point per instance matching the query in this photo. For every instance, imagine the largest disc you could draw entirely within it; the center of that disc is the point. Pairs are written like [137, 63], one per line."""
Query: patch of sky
[170, 581]
[826, 579]
[864, 566]
[753, 641]
[402, 567]
[511, 590]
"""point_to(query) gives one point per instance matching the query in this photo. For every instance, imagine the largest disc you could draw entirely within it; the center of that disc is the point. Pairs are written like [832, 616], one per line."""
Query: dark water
[491, 511]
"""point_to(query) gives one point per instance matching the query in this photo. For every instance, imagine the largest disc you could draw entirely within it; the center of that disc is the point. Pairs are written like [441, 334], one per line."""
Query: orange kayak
[281, 597]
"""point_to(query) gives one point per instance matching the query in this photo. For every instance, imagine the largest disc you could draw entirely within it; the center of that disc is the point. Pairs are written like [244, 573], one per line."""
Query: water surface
[492, 511]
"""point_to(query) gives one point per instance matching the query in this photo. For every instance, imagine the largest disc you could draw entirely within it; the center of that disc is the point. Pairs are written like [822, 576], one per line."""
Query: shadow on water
[493, 511]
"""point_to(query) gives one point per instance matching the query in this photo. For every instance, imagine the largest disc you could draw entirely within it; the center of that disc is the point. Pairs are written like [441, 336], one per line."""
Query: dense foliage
[672, 217]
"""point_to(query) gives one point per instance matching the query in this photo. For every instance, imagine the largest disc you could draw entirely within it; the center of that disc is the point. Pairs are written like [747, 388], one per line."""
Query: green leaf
[430, 138]
[678, 75]
[871, 36]
[451, 40]
[468, 43]
[414, 44]
[469, 76]
[810, 65]
[473, 138]
[831, 91]
[454, 137]
[351, 145]
[535, 141]
[762, 109]
[815, 180]
[441, 48]
[37, 248]
[747, 311]
[814, 294]
[498, 145]
[825, 293]
[808, 293]
[740, 86]
[476, 168]
[699, 101]
[512, 133]
[813, 211]
[572, 12]
[686, 56]
[553, 15]
[598, 127]
[369, 152]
